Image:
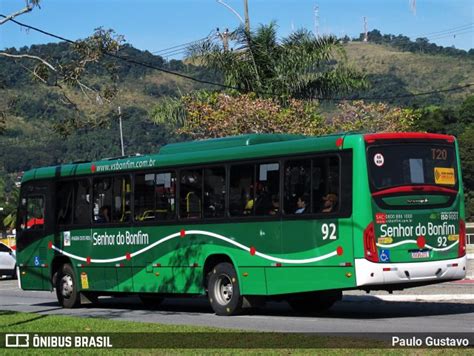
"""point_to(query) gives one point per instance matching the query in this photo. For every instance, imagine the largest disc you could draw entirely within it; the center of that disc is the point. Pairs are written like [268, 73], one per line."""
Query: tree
[432, 119]
[458, 121]
[451, 120]
[70, 72]
[209, 115]
[29, 5]
[300, 66]
[65, 75]
[372, 117]
[466, 151]
[9, 195]
[3, 122]
[466, 112]
[375, 36]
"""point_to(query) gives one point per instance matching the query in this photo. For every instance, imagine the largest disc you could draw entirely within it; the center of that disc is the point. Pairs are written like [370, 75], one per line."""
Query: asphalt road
[440, 308]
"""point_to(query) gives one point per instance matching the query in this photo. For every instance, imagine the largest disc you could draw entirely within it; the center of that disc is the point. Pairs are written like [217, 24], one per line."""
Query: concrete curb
[408, 298]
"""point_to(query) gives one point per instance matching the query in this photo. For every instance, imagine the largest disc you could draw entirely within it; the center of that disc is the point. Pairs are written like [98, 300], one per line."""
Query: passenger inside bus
[104, 216]
[301, 205]
[275, 205]
[248, 204]
[329, 203]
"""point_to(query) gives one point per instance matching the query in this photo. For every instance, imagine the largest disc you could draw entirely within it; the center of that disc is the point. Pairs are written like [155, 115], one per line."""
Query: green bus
[246, 218]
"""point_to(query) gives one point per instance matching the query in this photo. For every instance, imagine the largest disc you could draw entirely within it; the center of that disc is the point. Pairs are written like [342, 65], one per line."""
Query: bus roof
[198, 152]
[227, 142]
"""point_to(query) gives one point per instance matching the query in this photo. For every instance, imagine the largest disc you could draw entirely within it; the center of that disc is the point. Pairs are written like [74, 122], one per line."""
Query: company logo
[17, 340]
[417, 201]
[57, 341]
[67, 238]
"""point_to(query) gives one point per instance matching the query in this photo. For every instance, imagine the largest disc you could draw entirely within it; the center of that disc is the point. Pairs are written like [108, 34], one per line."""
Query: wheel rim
[67, 286]
[223, 289]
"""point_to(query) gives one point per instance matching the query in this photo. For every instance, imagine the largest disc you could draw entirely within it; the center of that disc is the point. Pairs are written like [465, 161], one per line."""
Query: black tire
[66, 287]
[223, 290]
[313, 302]
[150, 300]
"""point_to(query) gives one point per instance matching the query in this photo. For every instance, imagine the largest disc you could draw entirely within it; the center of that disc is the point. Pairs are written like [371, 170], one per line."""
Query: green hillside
[393, 72]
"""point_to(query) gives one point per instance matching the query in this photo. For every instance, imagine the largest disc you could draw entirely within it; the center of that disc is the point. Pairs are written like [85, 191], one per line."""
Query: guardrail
[470, 239]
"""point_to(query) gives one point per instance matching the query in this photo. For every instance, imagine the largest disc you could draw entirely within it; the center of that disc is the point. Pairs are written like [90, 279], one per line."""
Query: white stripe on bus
[199, 232]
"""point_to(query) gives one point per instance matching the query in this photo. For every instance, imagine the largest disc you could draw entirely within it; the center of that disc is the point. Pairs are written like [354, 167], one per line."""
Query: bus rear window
[393, 165]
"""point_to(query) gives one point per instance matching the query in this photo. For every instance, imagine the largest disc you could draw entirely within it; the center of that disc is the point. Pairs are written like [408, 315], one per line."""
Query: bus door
[416, 204]
[111, 227]
[317, 225]
[35, 230]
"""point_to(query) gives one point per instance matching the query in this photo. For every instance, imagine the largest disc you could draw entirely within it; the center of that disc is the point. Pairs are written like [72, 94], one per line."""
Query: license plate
[420, 254]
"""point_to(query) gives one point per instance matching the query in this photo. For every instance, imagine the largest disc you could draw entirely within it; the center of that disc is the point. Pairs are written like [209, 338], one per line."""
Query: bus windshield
[393, 165]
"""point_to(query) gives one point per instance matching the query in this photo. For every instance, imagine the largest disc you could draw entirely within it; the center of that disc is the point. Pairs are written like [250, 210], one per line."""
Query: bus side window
[102, 200]
[326, 184]
[214, 192]
[121, 199]
[242, 190]
[64, 201]
[155, 196]
[267, 194]
[190, 194]
[165, 191]
[145, 197]
[82, 202]
[297, 187]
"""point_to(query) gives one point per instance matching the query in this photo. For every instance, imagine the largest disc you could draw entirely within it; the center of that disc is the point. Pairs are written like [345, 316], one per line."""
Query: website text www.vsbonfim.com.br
[243, 340]
[118, 166]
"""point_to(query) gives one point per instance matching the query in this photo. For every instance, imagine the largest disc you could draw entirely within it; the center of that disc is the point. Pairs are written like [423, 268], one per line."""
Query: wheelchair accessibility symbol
[384, 255]
[37, 261]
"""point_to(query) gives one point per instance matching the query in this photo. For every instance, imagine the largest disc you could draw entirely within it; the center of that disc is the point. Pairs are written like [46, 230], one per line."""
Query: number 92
[329, 231]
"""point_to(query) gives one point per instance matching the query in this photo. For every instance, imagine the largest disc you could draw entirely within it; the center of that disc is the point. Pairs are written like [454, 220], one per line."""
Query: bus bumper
[370, 273]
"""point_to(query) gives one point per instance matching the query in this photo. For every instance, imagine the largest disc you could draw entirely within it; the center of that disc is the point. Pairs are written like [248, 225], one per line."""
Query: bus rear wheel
[66, 287]
[223, 290]
[314, 302]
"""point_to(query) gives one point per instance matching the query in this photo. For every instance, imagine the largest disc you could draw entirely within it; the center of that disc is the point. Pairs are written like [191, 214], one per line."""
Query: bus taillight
[462, 238]
[370, 249]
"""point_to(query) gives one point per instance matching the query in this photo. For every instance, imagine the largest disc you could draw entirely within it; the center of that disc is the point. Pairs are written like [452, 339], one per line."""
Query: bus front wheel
[314, 302]
[223, 290]
[66, 287]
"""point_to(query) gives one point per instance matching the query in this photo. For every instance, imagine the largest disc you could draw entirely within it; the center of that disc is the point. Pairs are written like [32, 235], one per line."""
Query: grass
[183, 339]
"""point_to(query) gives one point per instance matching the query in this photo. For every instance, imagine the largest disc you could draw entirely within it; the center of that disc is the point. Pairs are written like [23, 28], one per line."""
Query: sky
[156, 25]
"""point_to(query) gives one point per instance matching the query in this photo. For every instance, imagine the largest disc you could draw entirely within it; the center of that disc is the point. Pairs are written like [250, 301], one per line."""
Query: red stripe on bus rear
[370, 138]
[416, 189]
